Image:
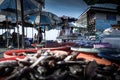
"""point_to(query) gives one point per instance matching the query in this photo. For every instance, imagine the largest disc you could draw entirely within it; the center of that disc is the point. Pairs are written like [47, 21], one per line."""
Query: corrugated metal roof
[110, 6]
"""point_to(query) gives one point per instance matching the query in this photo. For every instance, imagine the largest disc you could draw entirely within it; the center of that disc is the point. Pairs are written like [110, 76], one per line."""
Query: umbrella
[4, 26]
[7, 22]
[20, 8]
[29, 6]
[69, 19]
[44, 19]
[7, 33]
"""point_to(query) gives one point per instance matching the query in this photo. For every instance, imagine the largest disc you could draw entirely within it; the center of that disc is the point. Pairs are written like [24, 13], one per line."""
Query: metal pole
[22, 17]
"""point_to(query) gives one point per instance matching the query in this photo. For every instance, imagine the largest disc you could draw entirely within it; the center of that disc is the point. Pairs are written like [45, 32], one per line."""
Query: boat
[93, 50]
[85, 50]
[102, 45]
[52, 44]
[89, 57]
[108, 49]
[11, 58]
[20, 52]
[23, 52]
[64, 48]
[113, 55]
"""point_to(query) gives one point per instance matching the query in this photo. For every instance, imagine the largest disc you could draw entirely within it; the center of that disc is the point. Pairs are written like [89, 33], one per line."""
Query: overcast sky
[72, 8]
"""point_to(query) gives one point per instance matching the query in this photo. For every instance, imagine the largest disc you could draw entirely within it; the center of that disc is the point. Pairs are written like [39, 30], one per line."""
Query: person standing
[35, 38]
[40, 36]
[14, 38]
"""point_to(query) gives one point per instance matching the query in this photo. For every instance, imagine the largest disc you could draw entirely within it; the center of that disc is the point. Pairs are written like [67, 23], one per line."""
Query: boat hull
[89, 57]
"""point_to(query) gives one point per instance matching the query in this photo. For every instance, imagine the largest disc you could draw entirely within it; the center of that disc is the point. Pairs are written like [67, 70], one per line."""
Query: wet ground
[2, 50]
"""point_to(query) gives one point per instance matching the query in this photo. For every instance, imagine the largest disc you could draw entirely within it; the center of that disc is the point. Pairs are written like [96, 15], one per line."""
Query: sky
[72, 8]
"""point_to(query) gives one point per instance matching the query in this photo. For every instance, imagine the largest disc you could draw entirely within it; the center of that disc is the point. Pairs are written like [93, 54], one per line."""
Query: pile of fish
[46, 65]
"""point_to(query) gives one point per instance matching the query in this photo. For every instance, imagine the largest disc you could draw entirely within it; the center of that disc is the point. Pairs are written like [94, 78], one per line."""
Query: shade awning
[91, 2]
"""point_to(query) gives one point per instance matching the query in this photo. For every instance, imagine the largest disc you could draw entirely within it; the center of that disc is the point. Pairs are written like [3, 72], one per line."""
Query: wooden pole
[7, 32]
[40, 8]
[45, 36]
[18, 45]
[22, 17]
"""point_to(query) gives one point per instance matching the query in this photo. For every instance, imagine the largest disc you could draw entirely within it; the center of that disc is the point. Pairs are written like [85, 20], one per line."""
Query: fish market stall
[56, 65]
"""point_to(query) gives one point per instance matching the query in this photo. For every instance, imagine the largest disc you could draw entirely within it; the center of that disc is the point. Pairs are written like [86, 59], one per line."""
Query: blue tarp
[104, 24]
[43, 19]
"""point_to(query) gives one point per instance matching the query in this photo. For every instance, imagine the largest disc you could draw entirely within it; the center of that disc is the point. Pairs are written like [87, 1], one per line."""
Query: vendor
[14, 38]
[62, 32]
[40, 36]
